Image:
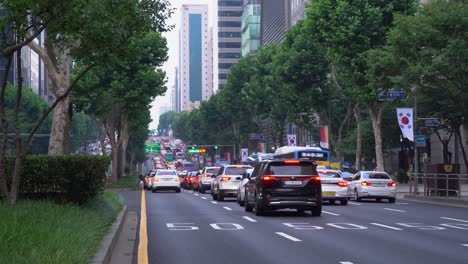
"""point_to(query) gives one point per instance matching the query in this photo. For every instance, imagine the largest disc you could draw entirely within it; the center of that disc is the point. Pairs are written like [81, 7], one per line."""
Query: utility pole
[416, 149]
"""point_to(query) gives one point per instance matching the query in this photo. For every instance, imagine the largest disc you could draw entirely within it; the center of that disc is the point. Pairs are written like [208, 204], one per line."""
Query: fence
[438, 184]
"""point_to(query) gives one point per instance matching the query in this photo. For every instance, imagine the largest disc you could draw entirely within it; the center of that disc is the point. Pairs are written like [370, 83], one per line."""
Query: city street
[189, 227]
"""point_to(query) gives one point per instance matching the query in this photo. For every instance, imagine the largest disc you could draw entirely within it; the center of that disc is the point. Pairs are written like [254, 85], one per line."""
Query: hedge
[69, 178]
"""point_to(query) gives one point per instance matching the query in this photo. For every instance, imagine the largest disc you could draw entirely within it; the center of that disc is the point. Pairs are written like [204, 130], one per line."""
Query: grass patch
[46, 232]
[126, 182]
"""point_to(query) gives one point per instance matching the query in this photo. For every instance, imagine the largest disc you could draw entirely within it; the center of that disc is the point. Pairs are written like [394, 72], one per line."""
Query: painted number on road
[348, 226]
[226, 226]
[421, 226]
[302, 226]
[181, 226]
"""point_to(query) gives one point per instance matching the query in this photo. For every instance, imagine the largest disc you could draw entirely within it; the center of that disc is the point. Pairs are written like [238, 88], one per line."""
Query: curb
[437, 200]
[108, 242]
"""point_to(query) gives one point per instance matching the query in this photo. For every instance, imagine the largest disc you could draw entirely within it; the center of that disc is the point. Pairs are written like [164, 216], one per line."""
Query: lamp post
[416, 149]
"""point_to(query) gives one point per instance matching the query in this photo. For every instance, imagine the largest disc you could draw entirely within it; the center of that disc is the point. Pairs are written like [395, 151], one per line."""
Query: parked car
[241, 189]
[281, 184]
[334, 187]
[373, 184]
[204, 179]
[226, 182]
[166, 180]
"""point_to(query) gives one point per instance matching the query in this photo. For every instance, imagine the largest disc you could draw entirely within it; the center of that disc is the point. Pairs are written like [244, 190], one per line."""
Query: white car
[227, 181]
[206, 179]
[373, 184]
[334, 187]
[165, 180]
[241, 189]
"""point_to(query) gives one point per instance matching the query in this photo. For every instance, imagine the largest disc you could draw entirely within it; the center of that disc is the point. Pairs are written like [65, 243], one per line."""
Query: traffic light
[193, 147]
[216, 147]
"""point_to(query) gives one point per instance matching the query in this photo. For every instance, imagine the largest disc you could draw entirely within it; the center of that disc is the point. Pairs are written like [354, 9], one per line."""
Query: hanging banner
[324, 137]
[244, 154]
[405, 121]
[291, 140]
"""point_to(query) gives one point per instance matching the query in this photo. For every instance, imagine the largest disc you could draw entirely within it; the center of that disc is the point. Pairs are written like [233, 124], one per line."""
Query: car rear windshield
[301, 169]
[235, 170]
[166, 172]
[212, 171]
[329, 174]
[380, 176]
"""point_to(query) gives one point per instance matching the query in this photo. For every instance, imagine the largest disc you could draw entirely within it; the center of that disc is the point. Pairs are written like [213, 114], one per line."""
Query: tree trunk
[115, 162]
[132, 160]
[375, 110]
[3, 144]
[337, 145]
[60, 132]
[124, 140]
[357, 117]
[101, 134]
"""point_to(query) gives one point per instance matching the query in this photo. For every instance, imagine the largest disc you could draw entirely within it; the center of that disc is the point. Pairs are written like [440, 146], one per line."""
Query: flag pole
[416, 149]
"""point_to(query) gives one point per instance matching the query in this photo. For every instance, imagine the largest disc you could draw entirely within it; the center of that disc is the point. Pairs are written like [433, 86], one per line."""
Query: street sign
[193, 151]
[390, 95]
[256, 137]
[244, 154]
[432, 122]
[420, 141]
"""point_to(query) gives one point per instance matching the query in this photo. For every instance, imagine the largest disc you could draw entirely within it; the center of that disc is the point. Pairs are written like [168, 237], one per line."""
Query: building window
[230, 13]
[224, 65]
[229, 24]
[229, 34]
[229, 45]
[230, 3]
[229, 55]
[222, 76]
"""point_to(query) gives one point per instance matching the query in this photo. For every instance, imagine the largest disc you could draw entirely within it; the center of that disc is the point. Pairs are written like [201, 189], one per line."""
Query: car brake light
[268, 178]
[391, 184]
[155, 179]
[225, 179]
[177, 179]
[206, 175]
[315, 178]
[342, 184]
[291, 162]
[364, 183]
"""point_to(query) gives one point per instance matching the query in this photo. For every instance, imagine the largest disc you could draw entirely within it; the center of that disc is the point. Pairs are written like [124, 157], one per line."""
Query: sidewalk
[403, 192]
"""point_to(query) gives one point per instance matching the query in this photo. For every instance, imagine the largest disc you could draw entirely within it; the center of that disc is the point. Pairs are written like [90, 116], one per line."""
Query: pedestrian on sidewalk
[141, 182]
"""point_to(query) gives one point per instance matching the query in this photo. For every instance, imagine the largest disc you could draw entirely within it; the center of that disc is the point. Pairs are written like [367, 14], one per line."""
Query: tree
[166, 120]
[348, 29]
[431, 48]
[94, 32]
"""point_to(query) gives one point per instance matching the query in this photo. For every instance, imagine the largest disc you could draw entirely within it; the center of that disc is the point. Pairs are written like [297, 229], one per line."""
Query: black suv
[281, 184]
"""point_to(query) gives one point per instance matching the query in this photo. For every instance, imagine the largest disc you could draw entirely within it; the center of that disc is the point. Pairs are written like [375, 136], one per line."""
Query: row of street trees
[331, 66]
[81, 37]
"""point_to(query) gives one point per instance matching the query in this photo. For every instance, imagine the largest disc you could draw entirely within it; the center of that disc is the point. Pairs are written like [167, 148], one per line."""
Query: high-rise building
[297, 10]
[210, 84]
[194, 56]
[176, 92]
[275, 20]
[250, 27]
[229, 37]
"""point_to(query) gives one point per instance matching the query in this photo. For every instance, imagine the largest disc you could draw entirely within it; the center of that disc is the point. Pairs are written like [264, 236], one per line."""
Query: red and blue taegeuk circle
[405, 120]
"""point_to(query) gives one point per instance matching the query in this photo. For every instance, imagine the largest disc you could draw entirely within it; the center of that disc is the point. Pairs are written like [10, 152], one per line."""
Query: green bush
[69, 178]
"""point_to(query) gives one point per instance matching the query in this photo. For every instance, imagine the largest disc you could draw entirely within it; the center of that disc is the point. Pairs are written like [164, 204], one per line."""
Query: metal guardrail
[438, 184]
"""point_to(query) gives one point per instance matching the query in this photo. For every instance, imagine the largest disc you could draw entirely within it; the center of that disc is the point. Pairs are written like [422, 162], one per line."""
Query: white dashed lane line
[465, 245]
[213, 202]
[227, 208]
[249, 219]
[353, 203]
[395, 210]
[402, 203]
[288, 236]
[204, 198]
[454, 219]
[330, 213]
[386, 226]
[345, 262]
[196, 194]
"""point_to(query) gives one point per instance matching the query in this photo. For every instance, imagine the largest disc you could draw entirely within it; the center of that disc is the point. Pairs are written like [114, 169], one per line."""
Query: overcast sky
[173, 44]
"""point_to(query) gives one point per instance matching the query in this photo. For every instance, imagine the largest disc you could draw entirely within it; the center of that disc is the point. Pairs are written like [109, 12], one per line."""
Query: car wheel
[242, 201]
[391, 200]
[220, 196]
[300, 211]
[316, 211]
[178, 190]
[258, 208]
[378, 200]
[202, 190]
[356, 195]
[153, 190]
[344, 202]
[248, 207]
[238, 197]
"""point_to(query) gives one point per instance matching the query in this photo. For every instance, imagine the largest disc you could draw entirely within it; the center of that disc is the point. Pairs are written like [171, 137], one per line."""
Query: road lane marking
[454, 219]
[196, 194]
[288, 236]
[402, 203]
[354, 203]
[346, 262]
[386, 226]
[213, 202]
[143, 242]
[465, 245]
[190, 192]
[330, 213]
[204, 198]
[227, 208]
[396, 210]
[249, 219]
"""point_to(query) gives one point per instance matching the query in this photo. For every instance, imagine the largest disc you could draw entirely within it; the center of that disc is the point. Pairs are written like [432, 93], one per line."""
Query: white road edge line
[354, 203]
[213, 202]
[386, 226]
[249, 219]
[204, 198]
[288, 236]
[402, 203]
[330, 213]
[396, 210]
[227, 208]
[454, 219]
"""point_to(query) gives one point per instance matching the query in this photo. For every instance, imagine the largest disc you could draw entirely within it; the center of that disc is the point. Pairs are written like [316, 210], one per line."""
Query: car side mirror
[238, 178]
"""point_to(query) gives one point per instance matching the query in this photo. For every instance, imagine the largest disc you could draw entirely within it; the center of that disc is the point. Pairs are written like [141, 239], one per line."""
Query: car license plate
[293, 182]
[328, 194]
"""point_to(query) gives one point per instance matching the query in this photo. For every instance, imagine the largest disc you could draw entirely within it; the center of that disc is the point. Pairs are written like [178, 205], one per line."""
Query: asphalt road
[189, 227]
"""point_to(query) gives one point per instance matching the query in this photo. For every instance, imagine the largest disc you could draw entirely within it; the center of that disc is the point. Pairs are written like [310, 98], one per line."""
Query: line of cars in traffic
[279, 184]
